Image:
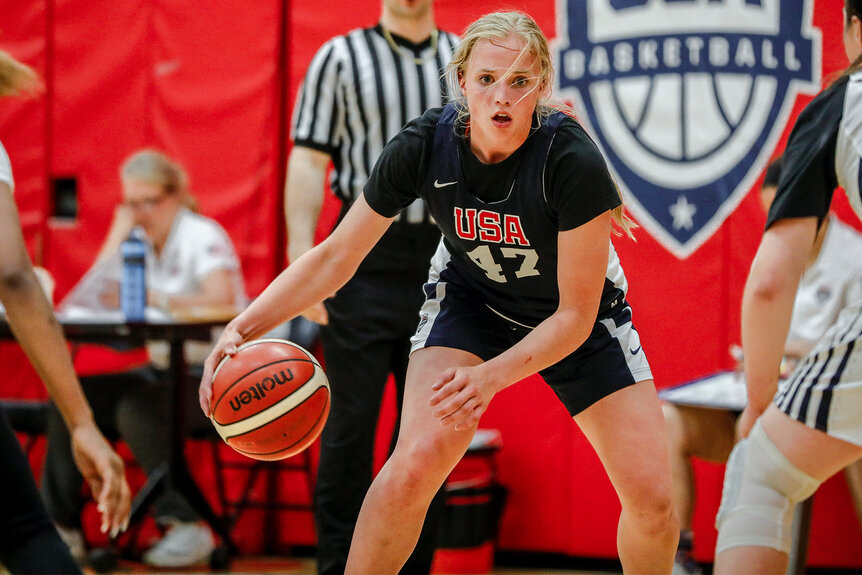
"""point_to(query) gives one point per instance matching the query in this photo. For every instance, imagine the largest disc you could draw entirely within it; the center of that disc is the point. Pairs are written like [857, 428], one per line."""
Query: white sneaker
[74, 540]
[184, 544]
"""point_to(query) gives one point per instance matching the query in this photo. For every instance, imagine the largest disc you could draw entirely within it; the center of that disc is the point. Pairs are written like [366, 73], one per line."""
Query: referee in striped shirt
[358, 92]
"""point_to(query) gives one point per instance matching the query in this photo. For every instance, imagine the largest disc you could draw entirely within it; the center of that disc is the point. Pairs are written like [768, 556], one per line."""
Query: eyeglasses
[146, 204]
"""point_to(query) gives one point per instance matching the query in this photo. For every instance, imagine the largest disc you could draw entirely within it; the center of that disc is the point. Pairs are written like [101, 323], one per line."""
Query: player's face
[501, 84]
[407, 8]
[151, 206]
[852, 37]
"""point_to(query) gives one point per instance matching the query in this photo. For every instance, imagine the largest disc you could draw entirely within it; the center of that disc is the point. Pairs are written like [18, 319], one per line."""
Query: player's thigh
[627, 430]
[420, 430]
[813, 451]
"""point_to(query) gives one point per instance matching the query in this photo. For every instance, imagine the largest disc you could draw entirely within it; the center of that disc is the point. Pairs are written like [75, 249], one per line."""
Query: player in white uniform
[832, 281]
[812, 428]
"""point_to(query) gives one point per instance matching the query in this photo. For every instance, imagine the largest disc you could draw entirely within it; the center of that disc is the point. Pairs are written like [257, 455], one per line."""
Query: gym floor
[302, 566]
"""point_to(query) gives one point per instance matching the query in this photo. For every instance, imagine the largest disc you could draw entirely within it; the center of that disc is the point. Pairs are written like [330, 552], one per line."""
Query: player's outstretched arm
[32, 320]
[309, 280]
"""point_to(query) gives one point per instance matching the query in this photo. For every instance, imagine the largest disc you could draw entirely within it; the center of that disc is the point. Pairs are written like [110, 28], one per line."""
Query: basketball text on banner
[687, 99]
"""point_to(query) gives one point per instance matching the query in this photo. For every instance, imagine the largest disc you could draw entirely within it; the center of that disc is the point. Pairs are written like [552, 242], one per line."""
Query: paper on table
[78, 314]
[85, 296]
[723, 390]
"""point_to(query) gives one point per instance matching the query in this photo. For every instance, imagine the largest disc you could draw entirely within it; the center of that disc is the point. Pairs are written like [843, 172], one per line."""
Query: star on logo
[683, 214]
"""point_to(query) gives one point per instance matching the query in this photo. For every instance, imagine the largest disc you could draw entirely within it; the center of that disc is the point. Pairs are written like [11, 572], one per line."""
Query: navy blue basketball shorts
[610, 359]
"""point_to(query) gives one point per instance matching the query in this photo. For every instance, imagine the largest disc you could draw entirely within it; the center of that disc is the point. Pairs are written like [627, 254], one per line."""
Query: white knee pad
[761, 490]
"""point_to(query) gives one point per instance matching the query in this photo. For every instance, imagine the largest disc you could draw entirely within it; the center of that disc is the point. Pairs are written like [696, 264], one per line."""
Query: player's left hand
[104, 471]
[461, 396]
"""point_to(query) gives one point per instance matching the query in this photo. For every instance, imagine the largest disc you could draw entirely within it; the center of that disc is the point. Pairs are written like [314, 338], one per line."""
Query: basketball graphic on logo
[686, 99]
[684, 118]
[270, 400]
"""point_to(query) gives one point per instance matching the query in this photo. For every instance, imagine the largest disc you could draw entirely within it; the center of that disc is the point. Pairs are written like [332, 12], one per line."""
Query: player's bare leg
[426, 452]
[811, 451]
[627, 431]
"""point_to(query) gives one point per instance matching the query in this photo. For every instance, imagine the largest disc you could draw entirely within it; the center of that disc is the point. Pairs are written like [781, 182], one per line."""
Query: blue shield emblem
[686, 98]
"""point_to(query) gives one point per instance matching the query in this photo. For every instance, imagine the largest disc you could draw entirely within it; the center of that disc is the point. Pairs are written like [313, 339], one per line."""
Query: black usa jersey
[505, 250]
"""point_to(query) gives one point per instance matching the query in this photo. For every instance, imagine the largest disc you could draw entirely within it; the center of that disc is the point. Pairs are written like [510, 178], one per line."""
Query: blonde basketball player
[525, 280]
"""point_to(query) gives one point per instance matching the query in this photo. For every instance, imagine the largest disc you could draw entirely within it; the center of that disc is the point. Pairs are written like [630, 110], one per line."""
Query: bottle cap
[137, 233]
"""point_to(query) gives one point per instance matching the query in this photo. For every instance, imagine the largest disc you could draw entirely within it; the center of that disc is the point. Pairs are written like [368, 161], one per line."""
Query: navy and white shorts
[610, 359]
[825, 390]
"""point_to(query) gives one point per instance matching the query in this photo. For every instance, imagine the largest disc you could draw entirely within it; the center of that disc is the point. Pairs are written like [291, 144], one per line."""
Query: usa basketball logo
[687, 98]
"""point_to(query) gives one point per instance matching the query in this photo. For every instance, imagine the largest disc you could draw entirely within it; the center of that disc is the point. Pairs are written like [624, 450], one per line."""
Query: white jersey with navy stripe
[357, 95]
[825, 150]
[848, 148]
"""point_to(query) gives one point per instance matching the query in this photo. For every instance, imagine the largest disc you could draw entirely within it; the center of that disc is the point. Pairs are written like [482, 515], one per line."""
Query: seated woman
[191, 262]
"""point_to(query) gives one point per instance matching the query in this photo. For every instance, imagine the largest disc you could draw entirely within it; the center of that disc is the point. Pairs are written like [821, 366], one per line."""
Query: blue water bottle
[133, 286]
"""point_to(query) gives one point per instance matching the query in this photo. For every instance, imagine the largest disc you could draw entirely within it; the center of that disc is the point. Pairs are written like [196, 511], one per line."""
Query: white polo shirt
[196, 246]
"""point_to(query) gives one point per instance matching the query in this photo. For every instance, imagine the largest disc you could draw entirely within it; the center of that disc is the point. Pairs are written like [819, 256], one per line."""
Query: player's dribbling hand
[226, 345]
[104, 471]
[461, 397]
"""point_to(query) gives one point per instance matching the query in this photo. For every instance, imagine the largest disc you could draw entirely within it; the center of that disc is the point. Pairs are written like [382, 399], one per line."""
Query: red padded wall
[214, 88]
[205, 90]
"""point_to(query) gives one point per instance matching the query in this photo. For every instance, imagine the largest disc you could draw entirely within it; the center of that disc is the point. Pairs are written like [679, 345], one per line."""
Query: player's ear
[462, 82]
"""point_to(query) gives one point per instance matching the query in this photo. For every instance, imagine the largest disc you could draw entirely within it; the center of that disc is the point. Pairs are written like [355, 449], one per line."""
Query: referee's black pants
[29, 543]
[371, 320]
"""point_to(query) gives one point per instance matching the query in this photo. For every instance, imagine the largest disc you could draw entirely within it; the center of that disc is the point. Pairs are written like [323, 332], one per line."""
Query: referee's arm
[303, 199]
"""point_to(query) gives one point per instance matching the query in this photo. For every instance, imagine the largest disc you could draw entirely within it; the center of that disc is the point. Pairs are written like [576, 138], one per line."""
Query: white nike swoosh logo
[437, 184]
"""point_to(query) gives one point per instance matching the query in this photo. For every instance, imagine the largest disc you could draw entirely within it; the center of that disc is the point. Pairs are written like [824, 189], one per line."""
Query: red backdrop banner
[214, 88]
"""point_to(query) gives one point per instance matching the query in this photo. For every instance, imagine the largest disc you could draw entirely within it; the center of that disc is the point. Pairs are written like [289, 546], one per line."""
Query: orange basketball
[270, 400]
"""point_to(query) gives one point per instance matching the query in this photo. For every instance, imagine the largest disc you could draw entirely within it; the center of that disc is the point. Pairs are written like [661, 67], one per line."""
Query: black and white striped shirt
[359, 92]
